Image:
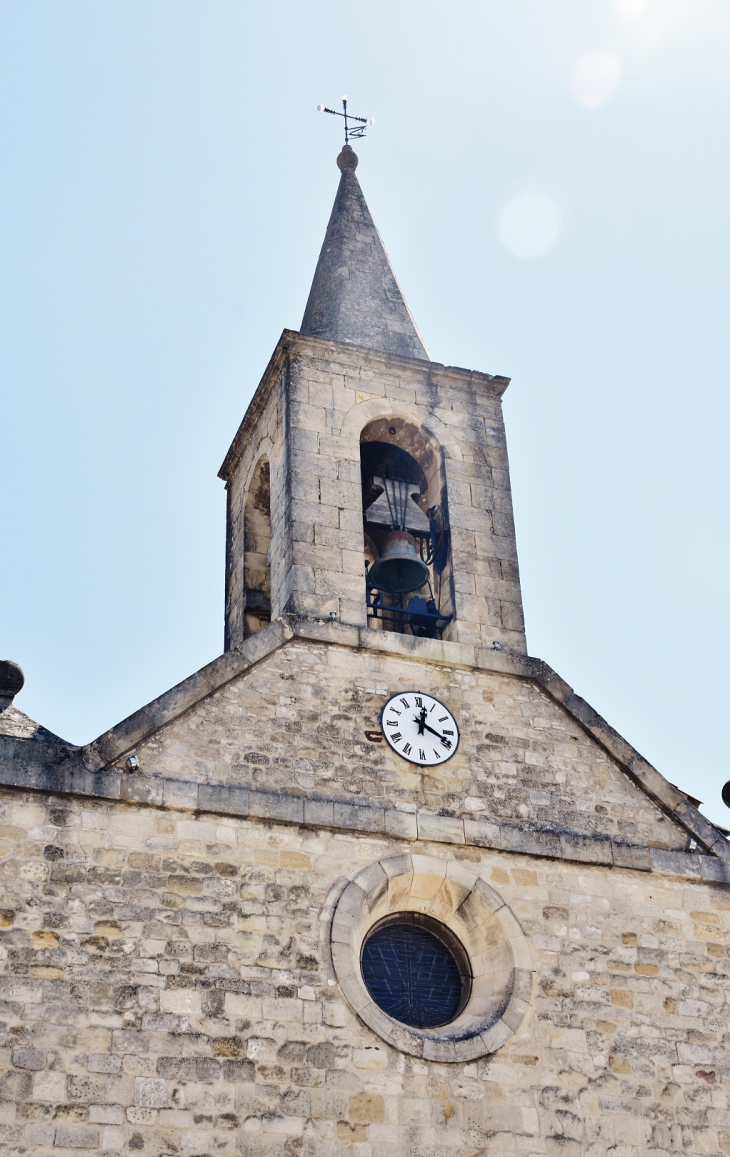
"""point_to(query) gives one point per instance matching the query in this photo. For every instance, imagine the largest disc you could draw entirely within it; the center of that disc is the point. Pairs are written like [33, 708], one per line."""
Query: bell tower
[368, 483]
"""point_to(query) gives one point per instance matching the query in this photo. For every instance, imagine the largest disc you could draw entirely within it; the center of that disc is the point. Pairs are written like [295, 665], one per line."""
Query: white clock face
[419, 728]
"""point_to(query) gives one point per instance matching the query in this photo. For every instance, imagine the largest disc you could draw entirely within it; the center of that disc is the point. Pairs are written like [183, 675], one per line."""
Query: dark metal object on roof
[11, 680]
[362, 123]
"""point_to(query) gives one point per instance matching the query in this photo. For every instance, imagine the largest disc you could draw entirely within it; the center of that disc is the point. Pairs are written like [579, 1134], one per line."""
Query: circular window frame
[458, 897]
[446, 938]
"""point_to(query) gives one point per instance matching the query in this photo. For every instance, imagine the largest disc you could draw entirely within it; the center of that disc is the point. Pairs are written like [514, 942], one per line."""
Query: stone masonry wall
[303, 721]
[166, 988]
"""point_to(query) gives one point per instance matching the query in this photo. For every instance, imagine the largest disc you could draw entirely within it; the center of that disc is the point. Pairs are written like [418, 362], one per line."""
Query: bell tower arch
[406, 529]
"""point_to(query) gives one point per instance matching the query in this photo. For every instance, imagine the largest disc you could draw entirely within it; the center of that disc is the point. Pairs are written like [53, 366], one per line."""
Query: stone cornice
[414, 368]
[70, 777]
[291, 341]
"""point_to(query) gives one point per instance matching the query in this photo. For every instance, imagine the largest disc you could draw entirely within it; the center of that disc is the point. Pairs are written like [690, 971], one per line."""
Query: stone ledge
[72, 778]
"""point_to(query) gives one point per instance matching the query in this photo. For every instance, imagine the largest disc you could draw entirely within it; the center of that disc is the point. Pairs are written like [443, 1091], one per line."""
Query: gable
[305, 721]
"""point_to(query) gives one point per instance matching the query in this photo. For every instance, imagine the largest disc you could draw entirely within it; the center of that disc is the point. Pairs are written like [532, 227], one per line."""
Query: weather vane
[358, 131]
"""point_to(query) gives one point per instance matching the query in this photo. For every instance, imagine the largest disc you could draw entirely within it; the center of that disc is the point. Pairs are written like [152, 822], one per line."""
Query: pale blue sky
[167, 183]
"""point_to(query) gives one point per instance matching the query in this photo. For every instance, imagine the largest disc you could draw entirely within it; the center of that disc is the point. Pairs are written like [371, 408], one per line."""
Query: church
[375, 882]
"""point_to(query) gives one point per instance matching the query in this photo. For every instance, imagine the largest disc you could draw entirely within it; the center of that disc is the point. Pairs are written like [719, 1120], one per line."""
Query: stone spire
[355, 296]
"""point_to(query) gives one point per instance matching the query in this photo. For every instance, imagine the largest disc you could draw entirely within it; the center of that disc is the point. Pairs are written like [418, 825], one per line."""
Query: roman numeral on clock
[396, 737]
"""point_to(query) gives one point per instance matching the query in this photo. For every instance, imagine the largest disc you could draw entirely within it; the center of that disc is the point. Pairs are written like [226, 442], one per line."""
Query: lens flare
[631, 8]
[529, 226]
[595, 78]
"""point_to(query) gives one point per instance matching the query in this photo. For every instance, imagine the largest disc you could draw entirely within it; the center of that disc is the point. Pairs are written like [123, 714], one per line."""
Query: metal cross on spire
[358, 131]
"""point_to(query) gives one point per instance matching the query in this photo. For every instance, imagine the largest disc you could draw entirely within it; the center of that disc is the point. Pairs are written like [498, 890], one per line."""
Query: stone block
[347, 495]
[177, 794]
[441, 829]
[300, 578]
[37, 1134]
[529, 841]
[481, 833]
[142, 788]
[70, 1136]
[305, 439]
[229, 800]
[314, 512]
[319, 811]
[181, 1001]
[371, 878]
[359, 818]
[331, 583]
[113, 1139]
[103, 1063]
[141, 1115]
[150, 1093]
[315, 464]
[304, 487]
[267, 805]
[306, 417]
[29, 1058]
[338, 538]
[631, 856]
[586, 849]
[401, 824]
[712, 869]
[675, 863]
[49, 1086]
[106, 1114]
[496, 1035]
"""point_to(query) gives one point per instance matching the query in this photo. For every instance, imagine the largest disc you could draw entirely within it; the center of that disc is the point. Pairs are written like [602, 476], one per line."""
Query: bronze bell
[399, 568]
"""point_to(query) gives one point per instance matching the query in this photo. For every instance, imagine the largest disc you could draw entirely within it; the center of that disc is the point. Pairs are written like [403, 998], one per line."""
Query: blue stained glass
[411, 974]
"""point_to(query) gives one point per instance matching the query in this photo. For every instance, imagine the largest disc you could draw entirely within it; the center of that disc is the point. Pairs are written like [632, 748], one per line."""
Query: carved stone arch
[361, 414]
[263, 450]
[257, 542]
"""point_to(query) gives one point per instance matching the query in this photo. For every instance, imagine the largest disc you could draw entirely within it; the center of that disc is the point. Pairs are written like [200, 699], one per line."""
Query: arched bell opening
[405, 526]
[257, 551]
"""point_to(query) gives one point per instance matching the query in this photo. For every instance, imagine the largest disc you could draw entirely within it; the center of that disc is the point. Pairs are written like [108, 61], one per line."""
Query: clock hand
[434, 732]
[420, 720]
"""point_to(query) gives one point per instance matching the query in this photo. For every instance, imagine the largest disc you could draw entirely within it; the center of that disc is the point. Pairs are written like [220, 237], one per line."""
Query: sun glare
[595, 78]
[529, 226]
[631, 8]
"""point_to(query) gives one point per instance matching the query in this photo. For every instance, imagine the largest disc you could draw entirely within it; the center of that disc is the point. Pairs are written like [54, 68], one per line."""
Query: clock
[419, 728]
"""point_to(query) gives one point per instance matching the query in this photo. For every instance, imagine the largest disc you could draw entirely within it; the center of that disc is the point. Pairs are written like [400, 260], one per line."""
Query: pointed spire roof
[355, 296]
